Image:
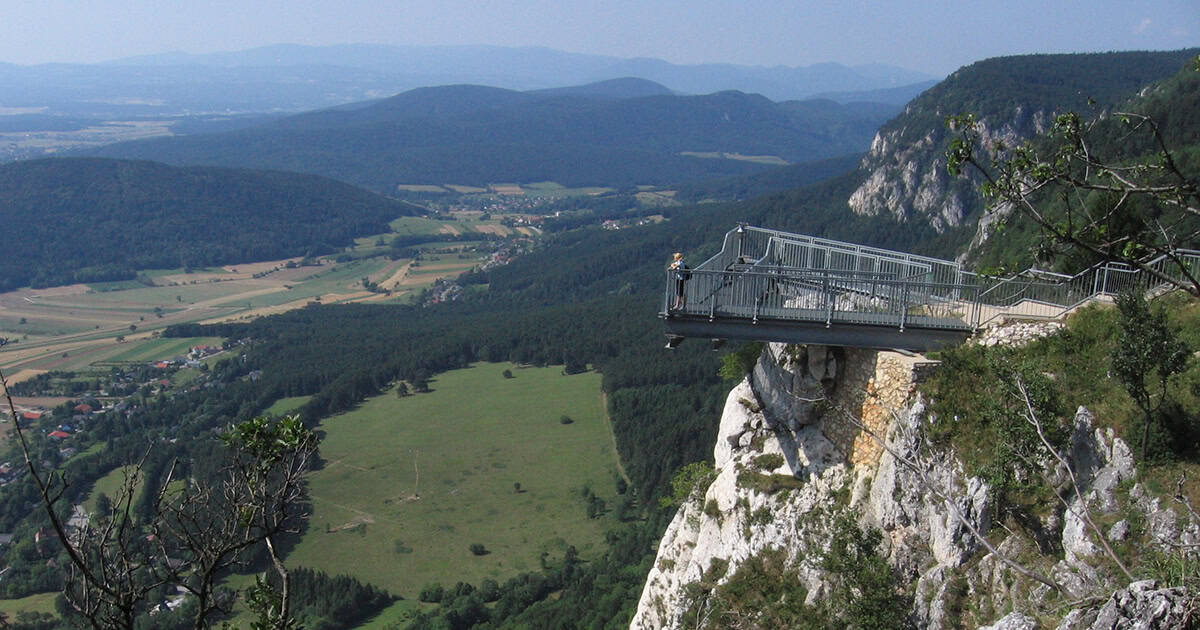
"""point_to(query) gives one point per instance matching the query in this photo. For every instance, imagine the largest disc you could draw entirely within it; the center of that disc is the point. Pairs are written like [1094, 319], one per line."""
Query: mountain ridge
[477, 135]
[294, 78]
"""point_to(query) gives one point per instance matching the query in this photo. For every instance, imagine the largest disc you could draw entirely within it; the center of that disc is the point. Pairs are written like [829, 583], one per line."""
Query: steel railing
[761, 273]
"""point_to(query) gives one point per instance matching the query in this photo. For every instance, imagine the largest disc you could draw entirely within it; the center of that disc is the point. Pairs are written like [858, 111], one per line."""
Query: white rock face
[772, 413]
[1015, 333]
[1140, 606]
[716, 526]
[908, 178]
[925, 506]
[1013, 621]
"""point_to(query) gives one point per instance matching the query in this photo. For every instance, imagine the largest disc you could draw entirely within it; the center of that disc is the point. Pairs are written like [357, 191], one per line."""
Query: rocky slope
[817, 431]
[1014, 99]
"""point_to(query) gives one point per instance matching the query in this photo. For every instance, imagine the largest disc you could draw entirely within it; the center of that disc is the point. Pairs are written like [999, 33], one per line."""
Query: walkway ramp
[768, 285]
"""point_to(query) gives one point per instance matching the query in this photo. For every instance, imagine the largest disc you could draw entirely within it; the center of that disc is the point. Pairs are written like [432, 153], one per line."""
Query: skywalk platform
[768, 285]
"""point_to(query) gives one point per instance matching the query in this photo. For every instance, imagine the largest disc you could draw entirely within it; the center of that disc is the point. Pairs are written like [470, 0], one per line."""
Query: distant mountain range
[613, 133]
[295, 78]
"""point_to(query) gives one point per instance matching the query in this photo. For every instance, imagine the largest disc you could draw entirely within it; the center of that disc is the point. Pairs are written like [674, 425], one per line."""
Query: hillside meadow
[409, 484]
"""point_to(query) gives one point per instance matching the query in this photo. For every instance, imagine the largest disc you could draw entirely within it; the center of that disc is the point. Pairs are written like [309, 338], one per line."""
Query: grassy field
[68, 327]
[110, 485]
[286, 405]
[471, 441]
[416, 225]
[40, 603]
[74, 327]
[773, 160]
[156, 349]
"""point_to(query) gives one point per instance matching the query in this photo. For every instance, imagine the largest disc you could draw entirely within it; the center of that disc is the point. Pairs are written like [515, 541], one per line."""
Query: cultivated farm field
[74, 327]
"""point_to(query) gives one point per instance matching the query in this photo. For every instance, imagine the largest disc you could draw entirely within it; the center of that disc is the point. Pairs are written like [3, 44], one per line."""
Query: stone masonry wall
[874, 385]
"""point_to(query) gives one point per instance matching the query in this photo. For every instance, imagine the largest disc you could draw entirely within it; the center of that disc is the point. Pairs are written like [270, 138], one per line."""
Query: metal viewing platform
[767, 285]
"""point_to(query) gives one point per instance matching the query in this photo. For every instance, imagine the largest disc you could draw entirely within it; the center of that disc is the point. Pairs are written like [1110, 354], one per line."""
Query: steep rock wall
[796, 445]
[796, 404]
[907, 177]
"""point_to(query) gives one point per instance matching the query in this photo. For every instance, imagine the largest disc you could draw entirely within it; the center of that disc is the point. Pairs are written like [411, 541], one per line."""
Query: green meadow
[409, 484]
[285, 406]
[40, 603]
[163, 348]
[112, 485]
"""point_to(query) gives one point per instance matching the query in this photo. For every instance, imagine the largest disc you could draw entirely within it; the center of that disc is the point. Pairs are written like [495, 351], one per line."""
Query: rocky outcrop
[907, 176]
[909, 181]
[815, 430]
[1015, 333]
[729, 522]
[801, 405]
[1140, 606]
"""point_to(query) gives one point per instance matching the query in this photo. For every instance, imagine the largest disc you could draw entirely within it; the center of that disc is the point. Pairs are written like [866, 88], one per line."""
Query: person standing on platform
[682, 273]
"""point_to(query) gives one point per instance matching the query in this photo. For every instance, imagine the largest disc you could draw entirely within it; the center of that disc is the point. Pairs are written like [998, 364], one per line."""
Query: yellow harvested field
[465, 189]
[45, 402]
[420, 188]
[507, 189]
[23, 375]
[397, 275]
[72, 327]
[255, 313]
[493, 229]
[229, 272]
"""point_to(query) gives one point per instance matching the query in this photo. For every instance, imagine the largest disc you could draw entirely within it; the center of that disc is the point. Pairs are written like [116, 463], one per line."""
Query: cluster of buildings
[112, 395]
[617, 224]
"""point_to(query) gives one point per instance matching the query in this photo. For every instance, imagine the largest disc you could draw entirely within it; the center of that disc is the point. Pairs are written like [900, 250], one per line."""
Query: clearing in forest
[410, 483]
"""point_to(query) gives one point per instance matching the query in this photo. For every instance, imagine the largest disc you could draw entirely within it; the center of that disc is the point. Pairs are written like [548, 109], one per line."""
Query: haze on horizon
[935, 36]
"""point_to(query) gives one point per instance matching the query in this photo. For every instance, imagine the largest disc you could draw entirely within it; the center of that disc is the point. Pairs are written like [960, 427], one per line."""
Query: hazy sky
[935, 36]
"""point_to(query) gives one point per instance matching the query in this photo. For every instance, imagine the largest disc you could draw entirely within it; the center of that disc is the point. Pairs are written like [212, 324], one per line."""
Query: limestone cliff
[1014, 99]
[814, 431]
[907, 177]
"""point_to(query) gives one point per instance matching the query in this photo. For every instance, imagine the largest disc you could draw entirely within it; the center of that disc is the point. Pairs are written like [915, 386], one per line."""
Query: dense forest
[477, 135]
[1173, 105]
[773, 181]
[87, 220]
[1031, 83]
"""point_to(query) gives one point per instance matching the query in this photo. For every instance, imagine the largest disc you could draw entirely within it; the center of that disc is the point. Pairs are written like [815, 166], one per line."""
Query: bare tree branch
[1084, 512]
[197, 531]
[919, 468]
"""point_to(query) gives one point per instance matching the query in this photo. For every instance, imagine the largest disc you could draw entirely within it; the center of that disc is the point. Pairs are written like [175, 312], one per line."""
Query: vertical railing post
[668, 295]
[759, 293]
[825, 290]
[903, 305]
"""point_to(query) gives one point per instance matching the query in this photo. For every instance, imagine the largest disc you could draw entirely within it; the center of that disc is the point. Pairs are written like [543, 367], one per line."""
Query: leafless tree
[199, 529]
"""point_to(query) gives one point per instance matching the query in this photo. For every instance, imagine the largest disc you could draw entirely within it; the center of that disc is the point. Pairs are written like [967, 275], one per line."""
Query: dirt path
[613, 437]
[394, 280]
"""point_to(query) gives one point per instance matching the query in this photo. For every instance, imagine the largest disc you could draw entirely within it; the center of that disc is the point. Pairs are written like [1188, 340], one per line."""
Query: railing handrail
[755, 262]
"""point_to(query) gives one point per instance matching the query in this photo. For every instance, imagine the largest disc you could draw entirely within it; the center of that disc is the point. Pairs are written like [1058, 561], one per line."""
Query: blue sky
[934, 36]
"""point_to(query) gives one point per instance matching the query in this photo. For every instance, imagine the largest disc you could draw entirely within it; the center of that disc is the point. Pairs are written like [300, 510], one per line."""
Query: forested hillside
[476, 135]
[87, 220]
[1173, 106]
[1014, 98]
